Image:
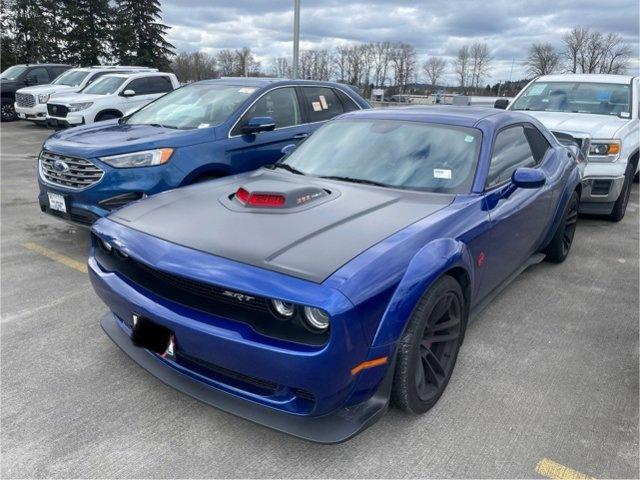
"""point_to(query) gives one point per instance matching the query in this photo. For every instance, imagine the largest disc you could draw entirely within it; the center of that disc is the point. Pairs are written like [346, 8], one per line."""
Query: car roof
[448, 114]
[586, 77]
[134, 74]
[260, 82]
[43, 65]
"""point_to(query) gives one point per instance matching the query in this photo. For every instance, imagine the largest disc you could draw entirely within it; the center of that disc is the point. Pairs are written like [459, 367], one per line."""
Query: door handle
[299, 136]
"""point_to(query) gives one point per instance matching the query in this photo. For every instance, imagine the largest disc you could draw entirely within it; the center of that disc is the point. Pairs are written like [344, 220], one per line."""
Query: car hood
[598, 126]
[77, 98]
[111, 137]
[37, 89]
[309, 240]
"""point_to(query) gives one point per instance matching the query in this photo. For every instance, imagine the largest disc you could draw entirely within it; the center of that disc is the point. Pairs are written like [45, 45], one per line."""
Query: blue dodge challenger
[308, 294]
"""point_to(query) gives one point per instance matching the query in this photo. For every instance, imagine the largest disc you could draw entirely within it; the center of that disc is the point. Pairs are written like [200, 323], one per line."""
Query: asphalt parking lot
[546, 383]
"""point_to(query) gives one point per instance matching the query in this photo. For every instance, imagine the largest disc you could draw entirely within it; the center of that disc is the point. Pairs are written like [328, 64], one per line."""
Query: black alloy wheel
[429, 347]
[8, 112]
[560, 245]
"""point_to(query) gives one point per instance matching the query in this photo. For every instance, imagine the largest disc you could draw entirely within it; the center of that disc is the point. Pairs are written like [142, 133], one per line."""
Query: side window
[322, 103]
[280, 104]
[348, 104]
[139, 85]
[57, 71]
[539, 144]
[39, 75]
[511, 151]
[159, 84]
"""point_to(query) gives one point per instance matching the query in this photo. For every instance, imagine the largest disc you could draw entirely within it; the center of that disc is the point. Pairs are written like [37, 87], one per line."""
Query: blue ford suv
[204, 130]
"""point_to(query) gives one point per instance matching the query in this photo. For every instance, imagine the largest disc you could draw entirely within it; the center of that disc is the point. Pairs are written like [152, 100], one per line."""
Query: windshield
[400, 154]
[193, 106]
[14, 72]
[576, 97]
[105, 86]
[72, 78]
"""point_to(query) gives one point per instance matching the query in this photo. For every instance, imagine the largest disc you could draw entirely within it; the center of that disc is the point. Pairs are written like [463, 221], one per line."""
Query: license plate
[22, 115]
[56, 202]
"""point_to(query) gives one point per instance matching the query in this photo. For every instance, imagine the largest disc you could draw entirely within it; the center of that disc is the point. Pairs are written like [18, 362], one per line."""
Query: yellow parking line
[58, 257]
[550, 469]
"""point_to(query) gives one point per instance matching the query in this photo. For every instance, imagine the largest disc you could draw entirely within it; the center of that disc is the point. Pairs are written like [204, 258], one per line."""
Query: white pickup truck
[607, 108]
[112, 96]
[31, 102]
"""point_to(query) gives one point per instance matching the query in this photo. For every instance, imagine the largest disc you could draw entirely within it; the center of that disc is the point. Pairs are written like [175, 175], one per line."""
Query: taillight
[260, 199]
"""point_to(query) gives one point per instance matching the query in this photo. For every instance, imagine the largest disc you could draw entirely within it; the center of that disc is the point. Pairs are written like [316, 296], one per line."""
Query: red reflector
[264, 200]
[242, 195]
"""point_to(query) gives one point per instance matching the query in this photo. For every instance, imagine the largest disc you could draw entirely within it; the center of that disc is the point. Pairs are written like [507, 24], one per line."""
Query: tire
[620, 206]
[8, 112]
[560, 245]
[106, 116]
[429, 347]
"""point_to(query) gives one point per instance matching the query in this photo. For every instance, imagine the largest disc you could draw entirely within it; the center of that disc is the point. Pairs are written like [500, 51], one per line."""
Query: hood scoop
[270, 194]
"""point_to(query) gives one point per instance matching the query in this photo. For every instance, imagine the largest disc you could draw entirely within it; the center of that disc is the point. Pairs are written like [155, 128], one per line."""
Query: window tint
[280, 104]
[159, 84]
[39, 74]
[139, 85]
[348, 104]
[59, 70]
[322, 103]
[511, 151]
[539, 144]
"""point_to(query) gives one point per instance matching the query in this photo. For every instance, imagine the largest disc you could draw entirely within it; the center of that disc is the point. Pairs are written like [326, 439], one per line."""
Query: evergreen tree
[7, 43]
[30, 31]
[53, 49]
[139, 34]
[87, 36]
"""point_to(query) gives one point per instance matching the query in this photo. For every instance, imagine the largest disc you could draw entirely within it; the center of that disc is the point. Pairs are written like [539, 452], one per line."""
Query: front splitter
[334, 427]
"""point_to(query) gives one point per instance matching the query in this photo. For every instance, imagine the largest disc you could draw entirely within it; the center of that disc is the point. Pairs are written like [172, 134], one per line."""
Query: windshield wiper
[162, 126]
[356, 180]
[287, 167]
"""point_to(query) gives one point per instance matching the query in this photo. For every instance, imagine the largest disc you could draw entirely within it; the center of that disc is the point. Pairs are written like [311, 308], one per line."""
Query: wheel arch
[438, 258]
[113, 111]
[215, 170]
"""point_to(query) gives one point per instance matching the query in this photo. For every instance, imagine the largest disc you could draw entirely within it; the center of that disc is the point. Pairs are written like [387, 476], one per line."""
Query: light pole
[296, 36]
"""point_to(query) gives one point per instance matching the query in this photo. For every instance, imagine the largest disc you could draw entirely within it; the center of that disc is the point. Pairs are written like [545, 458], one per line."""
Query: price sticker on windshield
[444, 173]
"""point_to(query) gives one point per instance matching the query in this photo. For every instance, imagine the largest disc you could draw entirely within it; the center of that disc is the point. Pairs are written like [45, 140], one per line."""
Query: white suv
[31, 102]
[607, 107]
[112, 96]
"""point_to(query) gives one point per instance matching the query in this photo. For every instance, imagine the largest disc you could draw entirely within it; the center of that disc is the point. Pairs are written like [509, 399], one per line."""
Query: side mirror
[128, 93]
[501, 103]
[286, 150]
[528, 178]
[259, 124]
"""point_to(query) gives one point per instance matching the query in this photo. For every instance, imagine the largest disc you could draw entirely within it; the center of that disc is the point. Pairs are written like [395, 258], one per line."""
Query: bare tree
[543, 59]
[316, 64]
[480, 61]
[574, 44]
[381, 53]
[434, 68]
[247, 65]
[194, 66]
[227, 62]
[282, 67]
[616, 55]
[461, 65]
[403, 60]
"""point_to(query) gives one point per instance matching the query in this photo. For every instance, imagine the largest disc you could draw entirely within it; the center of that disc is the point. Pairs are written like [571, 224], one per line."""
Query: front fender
[570, 186]
[429, 264]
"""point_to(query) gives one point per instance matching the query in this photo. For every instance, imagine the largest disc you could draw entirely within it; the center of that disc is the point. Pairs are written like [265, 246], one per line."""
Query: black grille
[244, 382]
[56, 110]
[601, 187]
[232, 305]
[25, 100]
[70, 172]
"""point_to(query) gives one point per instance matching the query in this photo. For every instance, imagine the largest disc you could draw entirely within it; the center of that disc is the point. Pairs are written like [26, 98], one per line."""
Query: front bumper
[335, 427]
[219, 350]
[601, 186]
[37, 113]
[71, 120]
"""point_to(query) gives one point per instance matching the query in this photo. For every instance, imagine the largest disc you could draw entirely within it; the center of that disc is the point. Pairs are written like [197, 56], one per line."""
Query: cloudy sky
[436, 27]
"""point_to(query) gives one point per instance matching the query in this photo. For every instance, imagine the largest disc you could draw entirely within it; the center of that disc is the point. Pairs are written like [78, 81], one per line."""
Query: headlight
[147, 158]
[607, 150]
[316, 319]
[43, 97]
[76, 107]
[283, 309]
